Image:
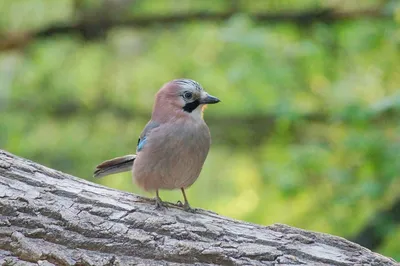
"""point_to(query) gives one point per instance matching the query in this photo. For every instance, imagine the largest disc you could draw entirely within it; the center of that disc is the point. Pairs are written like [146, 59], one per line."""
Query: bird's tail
[116, 165]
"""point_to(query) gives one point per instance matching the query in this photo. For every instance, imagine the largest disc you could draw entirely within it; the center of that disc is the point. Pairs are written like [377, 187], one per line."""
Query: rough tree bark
[51, 218]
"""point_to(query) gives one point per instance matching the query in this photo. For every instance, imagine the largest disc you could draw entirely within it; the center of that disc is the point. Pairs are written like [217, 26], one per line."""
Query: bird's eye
[188, 95]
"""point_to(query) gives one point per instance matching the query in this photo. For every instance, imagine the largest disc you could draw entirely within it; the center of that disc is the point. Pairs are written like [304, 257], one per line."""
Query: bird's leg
[186, 205]
[159, 202]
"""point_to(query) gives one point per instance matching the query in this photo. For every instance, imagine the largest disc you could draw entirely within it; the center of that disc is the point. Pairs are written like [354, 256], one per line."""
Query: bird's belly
[169, 167]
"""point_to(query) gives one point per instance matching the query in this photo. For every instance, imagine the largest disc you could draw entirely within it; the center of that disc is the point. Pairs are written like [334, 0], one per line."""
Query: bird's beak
[208, 99]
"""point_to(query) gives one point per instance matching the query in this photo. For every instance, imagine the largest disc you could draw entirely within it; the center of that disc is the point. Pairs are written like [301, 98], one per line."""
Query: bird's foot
[160, 205]
[185, 206]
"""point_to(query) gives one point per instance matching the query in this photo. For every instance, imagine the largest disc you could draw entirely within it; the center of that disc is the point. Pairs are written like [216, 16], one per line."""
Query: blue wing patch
[143, 136]
[141, 143]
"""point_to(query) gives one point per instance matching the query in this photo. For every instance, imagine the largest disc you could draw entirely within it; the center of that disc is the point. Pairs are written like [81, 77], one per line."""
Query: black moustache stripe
[189, 107]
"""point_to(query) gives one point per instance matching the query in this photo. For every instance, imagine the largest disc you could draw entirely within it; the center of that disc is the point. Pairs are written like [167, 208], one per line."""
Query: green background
[308, 130]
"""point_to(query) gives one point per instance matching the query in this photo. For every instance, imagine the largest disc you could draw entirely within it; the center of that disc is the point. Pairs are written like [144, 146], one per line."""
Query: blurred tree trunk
[48, 217]
[380, 226]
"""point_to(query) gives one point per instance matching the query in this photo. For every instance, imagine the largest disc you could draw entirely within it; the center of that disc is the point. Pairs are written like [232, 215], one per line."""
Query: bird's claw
[179, 204]
[185, 206]
[159, 204]
[189, 209]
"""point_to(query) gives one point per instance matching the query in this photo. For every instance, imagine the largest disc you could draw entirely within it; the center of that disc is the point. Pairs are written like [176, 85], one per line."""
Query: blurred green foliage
[307, 134]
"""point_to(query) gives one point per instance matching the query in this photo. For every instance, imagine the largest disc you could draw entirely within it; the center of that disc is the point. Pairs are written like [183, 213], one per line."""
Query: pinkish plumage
[173, 155]
[174, 144]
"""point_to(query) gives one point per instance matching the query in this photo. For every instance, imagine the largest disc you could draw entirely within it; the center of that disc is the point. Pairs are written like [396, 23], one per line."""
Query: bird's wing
[146, 131]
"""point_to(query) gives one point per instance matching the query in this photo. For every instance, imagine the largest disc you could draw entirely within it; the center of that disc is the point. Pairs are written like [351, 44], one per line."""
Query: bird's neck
[173, 114]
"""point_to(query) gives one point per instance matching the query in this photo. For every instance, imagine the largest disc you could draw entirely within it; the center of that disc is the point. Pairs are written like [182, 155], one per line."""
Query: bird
[173, 146]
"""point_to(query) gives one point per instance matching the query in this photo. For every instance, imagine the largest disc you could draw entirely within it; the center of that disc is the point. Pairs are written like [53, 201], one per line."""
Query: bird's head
[182, 98]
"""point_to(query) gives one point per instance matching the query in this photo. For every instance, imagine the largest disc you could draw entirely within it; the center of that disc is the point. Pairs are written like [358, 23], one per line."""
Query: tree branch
[51, 217]
[95, 28]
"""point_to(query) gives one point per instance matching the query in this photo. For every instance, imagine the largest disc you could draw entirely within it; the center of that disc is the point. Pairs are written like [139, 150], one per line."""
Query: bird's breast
[173, 156]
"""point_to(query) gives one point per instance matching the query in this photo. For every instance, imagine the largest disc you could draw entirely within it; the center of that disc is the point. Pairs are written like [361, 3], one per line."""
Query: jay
[173, 146]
